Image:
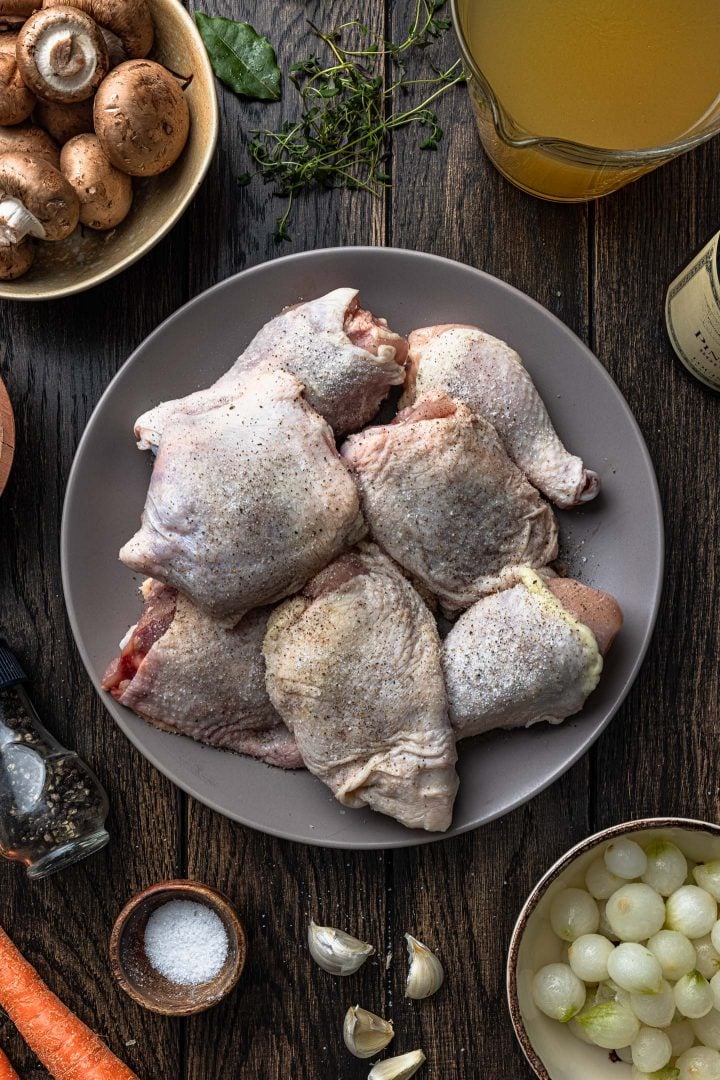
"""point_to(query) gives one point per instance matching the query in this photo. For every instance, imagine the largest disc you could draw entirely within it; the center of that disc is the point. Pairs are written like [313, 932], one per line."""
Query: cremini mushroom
[126, 25]
[35, 200]
[16, 259]
[27, 139]
[104, 192]
[65, 120]
[141, 118]
[16, 101]
[61, 54]
[13, 13]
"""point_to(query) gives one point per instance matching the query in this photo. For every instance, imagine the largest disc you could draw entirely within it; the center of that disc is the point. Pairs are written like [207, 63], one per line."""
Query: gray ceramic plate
[615, 542]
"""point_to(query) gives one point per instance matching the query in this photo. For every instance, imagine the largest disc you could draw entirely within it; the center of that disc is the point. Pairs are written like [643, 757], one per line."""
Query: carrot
[6, 1070]
[68, 1049]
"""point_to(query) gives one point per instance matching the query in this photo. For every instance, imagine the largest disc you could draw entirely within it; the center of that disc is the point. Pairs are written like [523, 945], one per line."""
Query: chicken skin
[346, 359]
[183, 672]
[442, 498]
[353, 667]
[247, 501]
[530, 653]
[489, 377]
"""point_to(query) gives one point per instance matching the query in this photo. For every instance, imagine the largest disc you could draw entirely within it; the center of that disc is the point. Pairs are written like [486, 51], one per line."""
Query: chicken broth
[614, 74]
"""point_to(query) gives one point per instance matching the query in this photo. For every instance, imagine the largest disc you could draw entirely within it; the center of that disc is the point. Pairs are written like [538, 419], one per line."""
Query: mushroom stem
[16, 222]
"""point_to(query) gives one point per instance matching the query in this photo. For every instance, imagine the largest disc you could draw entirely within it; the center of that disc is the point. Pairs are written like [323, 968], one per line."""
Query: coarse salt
[186, 942]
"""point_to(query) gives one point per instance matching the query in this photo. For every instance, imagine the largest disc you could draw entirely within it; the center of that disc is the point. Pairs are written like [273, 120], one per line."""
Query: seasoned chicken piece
[246, 502]
[346, 359]
[530, 653]
[441, 496]
[185, 673]
[353, 667]
[471, 366]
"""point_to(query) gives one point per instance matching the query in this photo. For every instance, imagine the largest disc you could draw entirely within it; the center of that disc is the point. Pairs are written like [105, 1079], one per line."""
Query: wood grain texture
[603, 270]
[658, 754]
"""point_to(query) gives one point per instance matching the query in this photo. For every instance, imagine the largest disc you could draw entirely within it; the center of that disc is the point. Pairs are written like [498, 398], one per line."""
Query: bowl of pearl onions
[614, 963]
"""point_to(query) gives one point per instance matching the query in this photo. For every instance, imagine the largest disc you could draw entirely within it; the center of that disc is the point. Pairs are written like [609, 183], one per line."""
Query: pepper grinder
[52, 806]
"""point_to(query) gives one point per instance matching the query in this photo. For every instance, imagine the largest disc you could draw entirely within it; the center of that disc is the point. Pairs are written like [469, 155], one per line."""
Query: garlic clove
[426, 973]
[366, 1034]
[335, 951]
[398, 1068]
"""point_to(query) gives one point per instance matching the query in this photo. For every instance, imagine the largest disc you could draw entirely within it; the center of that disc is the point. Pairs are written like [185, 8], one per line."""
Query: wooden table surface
[601, 268]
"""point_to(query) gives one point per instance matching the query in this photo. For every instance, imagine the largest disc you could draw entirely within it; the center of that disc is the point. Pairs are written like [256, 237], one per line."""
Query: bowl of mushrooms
[108, 124]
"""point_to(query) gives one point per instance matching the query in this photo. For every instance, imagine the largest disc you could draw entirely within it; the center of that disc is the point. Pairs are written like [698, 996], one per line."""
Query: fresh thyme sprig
[348, 111]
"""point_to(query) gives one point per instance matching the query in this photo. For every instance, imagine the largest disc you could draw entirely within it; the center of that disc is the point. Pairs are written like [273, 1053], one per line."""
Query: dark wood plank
[463, 897]
[286, 1019]
[56, 359]
[232, 226]
[658, 754]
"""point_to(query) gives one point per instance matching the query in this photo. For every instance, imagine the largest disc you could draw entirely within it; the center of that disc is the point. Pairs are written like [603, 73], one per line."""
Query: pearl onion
[667, 867]
[635, 912]
[693, 996]
[558, 992]
[635, 969]
[574, 913]
[588, 957]
[674, 952]
[600, 882]
[651, 1050]
[625, 858]
[700, 1063]
[691, 911]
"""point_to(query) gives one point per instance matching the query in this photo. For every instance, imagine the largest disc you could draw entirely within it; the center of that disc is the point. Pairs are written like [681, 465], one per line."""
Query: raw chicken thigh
[346, 359]
[185, 673]
[530, 653]
[485, 373]
[353, 667]
[441, 496]
[247, 501]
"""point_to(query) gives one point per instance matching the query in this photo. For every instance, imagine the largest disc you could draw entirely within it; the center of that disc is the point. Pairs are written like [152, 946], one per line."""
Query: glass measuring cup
[555, 168]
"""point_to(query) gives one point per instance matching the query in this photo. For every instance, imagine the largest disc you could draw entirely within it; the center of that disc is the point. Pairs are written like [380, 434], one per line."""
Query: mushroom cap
[104, 192]
[129, 20]
[62, 55]
[65, 119]
[43, 190]
[16, 259]
[141, 118]
[16, 100]
[27, 139]
[13, 13]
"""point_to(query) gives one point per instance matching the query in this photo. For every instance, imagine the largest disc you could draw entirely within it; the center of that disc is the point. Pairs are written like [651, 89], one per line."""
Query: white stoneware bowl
[552, 1050]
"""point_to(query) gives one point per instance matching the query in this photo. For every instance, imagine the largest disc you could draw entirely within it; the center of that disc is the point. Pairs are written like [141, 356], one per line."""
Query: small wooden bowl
[142, 982]
[7, 436]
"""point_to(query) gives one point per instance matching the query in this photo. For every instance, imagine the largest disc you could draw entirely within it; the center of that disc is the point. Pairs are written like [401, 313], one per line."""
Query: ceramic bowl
[87, 258]
[552, 1050]
[142, 982]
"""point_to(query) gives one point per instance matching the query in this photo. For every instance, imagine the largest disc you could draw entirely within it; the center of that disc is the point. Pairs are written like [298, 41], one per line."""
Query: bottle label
[692, 314]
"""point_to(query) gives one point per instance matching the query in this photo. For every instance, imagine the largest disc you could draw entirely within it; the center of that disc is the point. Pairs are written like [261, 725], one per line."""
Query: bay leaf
[241, 58]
